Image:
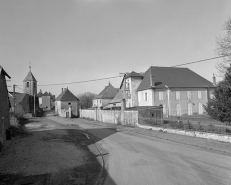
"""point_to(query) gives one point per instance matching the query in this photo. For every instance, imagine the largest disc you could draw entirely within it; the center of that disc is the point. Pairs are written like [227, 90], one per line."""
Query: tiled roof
[18, 97]
[67, 95]
[173, 77]
[118, 97]
[2, 71]
[108, 92]
[46, 94]
[30, 77]
[134, 74]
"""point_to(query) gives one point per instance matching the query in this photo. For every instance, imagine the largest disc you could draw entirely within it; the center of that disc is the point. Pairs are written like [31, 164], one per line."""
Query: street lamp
[168, 108]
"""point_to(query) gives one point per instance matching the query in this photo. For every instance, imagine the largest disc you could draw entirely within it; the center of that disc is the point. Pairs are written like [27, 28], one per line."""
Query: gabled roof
[173, 77]
[118, 97]
[67, 95]
[18, 97]
[30, 77]
[2, 71]
[108, 92]
[134, 74]
[46, 94]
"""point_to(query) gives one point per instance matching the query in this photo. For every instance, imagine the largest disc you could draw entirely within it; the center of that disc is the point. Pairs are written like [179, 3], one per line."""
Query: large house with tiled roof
[179, 90]
[107, 94]
[67, 104]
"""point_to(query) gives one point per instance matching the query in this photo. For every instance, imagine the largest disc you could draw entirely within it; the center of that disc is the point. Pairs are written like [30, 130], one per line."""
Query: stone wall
[111, 116]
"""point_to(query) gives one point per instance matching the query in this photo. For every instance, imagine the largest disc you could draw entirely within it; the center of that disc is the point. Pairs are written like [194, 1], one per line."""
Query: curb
[97, 182]
[212, 136]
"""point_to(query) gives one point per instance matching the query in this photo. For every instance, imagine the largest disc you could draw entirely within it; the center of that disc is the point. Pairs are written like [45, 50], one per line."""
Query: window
[145, 96]
[190, 109]
[69, 103]
[128, 95]
[177, 95]
[161, 96]
[164, 109]
[199, 95]
[34, 84]
[200, 108]
[178, 110]
[127, 86]
[27, 84]
[189, 95]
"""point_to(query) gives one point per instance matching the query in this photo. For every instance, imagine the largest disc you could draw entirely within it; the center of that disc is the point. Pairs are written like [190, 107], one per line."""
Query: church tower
[30, 84]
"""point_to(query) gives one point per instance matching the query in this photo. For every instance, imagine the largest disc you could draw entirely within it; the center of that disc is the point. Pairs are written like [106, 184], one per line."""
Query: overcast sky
[76, 40]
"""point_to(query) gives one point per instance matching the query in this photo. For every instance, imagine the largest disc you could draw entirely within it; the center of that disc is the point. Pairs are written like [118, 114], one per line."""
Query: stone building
[179, 90]
[107, 94]
[4, 106]
[67, 104]
[30, 84]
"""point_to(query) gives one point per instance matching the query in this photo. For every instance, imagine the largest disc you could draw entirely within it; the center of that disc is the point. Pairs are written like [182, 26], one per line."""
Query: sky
[79, 40]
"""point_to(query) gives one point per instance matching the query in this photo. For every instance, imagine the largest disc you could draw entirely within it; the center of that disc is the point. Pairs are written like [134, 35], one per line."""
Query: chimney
[214, 80]
[152, 81]
[62, 89]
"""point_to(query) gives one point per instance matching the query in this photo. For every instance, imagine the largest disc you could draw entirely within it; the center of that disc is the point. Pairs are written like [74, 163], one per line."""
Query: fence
[129, 118]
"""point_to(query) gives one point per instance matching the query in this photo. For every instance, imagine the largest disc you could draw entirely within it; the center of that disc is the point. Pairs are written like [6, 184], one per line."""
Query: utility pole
[34, 105]
[14, 100]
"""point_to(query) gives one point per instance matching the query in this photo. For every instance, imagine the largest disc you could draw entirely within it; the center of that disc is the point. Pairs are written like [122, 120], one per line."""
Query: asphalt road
[133, 159]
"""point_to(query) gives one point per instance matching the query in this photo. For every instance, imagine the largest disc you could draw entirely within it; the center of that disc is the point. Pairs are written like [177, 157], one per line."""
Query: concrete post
[122, 111]
[69, 111]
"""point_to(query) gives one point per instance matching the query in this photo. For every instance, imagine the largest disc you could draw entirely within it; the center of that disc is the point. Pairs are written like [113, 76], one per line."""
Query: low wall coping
[205, 135]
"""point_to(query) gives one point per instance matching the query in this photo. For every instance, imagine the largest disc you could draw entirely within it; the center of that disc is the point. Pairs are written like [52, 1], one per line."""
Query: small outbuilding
[67, 104]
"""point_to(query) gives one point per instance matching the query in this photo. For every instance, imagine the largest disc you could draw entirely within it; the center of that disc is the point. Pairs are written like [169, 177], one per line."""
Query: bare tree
[86, 99]
[224, 48]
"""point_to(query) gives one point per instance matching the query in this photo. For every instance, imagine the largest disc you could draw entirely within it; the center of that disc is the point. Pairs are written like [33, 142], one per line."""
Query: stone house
[4, 106]
[107, 94]
[179, 90]
[46, 100]
[67, 104]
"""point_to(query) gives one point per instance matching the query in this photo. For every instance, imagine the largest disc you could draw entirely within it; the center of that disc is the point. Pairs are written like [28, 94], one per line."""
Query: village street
[130, 156]
[133, 158]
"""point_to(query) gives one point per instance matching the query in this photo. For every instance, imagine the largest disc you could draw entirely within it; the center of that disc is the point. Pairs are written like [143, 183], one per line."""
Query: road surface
[134, 159]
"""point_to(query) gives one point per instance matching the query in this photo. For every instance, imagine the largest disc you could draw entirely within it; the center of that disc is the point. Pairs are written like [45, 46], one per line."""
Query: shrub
[199, 126]
[189, 125]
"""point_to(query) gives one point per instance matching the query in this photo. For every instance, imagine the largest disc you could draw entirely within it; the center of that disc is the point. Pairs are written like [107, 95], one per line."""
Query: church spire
[30, 66]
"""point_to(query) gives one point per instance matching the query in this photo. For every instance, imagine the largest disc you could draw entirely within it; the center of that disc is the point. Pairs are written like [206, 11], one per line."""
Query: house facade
[4, 106]
[179, 90]
[67, 104]
[46, 100]
[103, 98]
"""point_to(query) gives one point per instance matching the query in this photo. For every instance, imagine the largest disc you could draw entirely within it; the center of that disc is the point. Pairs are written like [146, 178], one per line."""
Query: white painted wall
[141, 98]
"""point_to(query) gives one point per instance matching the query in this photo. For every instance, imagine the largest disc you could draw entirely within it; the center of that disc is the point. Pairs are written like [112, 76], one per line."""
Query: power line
[19, 87]
[81, 81]
[120, 76]
[200, 61]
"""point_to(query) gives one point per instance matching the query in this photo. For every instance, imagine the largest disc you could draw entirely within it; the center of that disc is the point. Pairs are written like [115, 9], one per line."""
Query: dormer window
[27, 84]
